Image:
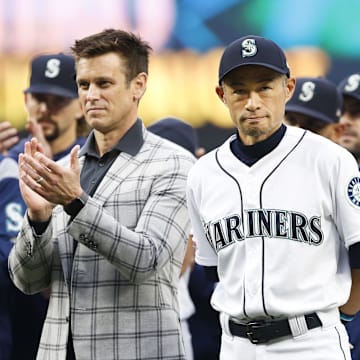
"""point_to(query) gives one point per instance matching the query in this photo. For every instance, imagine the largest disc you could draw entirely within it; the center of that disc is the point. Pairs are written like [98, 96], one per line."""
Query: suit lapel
[122, 167]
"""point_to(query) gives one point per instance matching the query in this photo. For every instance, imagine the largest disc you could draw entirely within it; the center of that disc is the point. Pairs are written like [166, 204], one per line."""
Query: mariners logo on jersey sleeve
[353, 191]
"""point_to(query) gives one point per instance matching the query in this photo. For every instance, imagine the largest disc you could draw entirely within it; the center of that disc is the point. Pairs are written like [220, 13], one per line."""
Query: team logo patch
[353, 191]
[249, 48]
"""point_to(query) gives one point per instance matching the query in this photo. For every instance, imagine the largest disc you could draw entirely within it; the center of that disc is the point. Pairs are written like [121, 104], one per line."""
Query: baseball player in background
[55, 118]
[12, 209]
[275, 212]
[316, 105]
[54, 115]
[350, 139]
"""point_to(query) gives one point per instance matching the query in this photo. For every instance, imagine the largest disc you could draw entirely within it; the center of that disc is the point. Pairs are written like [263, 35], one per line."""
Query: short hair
[129, 46]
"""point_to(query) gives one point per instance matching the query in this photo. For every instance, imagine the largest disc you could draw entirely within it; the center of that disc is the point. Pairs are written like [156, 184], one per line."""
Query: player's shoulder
[18, 148]
[310, 139]
[8, 168]
[317, 145]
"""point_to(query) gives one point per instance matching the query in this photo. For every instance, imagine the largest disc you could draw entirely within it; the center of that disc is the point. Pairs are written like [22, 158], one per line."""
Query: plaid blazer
[119, 288]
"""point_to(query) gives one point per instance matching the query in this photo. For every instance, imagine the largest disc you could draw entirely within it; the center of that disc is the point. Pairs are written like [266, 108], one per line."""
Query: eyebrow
[97, 78]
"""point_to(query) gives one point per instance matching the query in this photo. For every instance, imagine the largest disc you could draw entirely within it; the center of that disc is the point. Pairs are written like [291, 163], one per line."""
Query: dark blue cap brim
[53, 90]
[309, 112]
[269, 66]
[351, 94]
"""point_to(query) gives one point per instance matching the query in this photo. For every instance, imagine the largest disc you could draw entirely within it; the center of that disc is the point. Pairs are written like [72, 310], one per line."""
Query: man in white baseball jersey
[276, 211]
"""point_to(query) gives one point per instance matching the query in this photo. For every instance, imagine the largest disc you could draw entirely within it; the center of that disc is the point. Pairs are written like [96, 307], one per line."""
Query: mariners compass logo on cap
[249, 48]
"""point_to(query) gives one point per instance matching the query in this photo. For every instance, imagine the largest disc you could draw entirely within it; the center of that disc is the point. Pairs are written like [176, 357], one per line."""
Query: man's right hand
[8, 137]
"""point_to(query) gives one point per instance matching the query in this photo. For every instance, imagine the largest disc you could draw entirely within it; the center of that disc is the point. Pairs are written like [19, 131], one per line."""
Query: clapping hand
[45, 183]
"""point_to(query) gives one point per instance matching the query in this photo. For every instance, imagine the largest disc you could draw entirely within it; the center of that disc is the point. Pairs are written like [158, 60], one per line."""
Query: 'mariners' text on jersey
[264, 222]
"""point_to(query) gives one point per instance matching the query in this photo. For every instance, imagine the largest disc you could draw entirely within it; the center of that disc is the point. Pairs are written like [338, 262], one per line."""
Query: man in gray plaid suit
[106, 228]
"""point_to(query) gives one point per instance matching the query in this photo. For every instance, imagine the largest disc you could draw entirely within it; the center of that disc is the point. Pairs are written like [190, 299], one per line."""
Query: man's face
[108, 100]
[256, 97]
[350, 138]
[55, 114]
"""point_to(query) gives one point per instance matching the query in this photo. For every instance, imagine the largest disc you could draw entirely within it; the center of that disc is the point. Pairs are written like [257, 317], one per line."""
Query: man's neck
[105, 141]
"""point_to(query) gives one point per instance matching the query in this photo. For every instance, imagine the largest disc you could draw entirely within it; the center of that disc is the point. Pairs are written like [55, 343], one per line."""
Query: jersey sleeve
[205, 253]
[347, 199]
[12, 208]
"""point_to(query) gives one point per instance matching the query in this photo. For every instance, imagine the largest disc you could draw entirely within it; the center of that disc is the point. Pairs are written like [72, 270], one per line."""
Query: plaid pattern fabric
[120, 286]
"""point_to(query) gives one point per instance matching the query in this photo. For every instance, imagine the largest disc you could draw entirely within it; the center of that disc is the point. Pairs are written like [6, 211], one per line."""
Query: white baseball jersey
[277, 231]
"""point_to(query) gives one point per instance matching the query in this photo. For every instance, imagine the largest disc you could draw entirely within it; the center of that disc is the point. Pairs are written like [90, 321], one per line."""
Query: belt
[260, 332]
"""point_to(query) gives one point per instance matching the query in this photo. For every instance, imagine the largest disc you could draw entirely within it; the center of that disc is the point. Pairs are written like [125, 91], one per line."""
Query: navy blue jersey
[353, 329]
[21, 316]
[6, 299]
[12, 206]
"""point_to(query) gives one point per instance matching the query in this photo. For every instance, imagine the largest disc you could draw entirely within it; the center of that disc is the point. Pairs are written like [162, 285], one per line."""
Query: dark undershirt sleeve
[39, 227]
[211, 273]
[354, 256]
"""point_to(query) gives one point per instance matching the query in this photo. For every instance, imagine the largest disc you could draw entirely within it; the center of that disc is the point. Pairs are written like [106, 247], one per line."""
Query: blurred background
[320, 38]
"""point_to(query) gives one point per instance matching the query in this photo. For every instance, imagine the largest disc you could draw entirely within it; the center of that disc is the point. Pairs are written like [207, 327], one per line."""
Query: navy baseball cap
[177, 131]
[53, 74]
[350, 86]
[253, 50]
[318, 98]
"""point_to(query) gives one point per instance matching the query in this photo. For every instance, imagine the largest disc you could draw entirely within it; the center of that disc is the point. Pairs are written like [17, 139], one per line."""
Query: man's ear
[220, 93]
[26, 98]
[139, 85]
[290, 88]
[338, 130]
